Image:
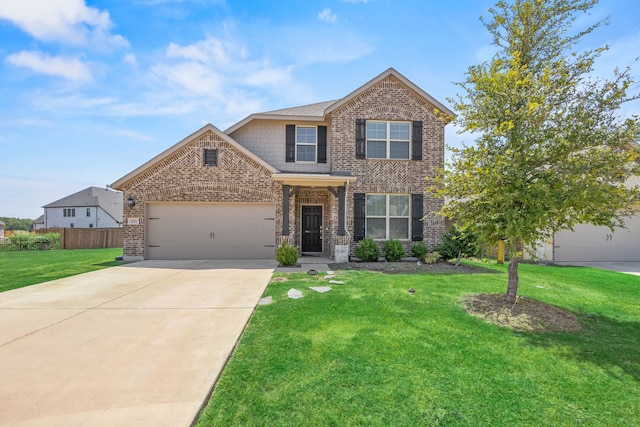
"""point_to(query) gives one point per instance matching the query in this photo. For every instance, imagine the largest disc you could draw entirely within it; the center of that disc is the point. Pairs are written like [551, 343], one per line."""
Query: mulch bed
[409, 267]
[526, 315]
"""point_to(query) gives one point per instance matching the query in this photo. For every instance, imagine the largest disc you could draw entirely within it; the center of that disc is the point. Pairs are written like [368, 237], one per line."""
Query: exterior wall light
[130, 202]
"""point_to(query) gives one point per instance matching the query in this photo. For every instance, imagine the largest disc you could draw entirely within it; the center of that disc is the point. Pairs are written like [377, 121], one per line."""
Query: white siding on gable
[55, 218]
[266, 139]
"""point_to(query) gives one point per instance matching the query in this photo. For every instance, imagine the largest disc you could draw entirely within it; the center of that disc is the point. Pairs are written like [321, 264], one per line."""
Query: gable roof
[309, 113]
[109, 200]
[403, 80]
[197, 134]
[319, 110]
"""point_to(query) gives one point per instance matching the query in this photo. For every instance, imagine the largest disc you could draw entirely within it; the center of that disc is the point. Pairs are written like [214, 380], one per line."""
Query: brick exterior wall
[390, 100]
[182, 177]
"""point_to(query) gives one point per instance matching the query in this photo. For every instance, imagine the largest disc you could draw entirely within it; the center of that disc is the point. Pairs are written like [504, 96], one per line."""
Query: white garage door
[210, 231]
[591, 244]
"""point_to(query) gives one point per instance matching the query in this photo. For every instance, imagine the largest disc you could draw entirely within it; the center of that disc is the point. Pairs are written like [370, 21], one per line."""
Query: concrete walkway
[135, 345]
[306, 263]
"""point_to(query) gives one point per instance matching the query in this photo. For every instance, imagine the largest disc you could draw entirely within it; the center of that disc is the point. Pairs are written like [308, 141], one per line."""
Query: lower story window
[388, 216]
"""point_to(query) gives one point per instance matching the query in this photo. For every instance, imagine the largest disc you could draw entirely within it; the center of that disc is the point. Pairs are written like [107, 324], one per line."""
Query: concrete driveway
[135, 345]
[621, 267]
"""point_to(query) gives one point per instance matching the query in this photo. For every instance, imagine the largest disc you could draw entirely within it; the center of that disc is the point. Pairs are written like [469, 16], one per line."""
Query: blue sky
[90, 90]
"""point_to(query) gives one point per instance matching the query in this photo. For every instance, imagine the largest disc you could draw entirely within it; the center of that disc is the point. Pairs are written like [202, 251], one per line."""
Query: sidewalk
[306, 263]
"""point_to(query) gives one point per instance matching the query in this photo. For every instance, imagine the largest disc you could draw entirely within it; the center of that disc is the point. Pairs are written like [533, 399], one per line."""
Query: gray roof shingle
[109, 200]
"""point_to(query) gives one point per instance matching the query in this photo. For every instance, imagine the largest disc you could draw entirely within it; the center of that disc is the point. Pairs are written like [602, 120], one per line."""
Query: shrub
[394, 250]
[432, 257]
[419, 250]
[368, 250]
[457, 243]
[25, 241]
[286, 254]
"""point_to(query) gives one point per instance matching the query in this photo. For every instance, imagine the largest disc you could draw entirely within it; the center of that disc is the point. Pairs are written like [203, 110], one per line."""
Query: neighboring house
[38, 224]
[321, 177]
[1, 230]
[93, 207]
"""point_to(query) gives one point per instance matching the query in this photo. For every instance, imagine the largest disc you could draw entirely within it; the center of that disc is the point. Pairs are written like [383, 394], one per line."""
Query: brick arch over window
[391, 112]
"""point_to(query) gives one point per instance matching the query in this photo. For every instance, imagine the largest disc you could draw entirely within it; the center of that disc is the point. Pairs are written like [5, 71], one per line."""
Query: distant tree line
[16, 223]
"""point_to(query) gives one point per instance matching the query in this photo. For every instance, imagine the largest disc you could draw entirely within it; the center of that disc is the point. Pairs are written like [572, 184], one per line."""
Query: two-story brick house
[321, 176]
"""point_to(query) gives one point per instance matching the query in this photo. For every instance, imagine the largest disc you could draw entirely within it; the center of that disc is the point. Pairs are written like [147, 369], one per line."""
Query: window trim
[306, 144]
[387, 216]
[388, 140]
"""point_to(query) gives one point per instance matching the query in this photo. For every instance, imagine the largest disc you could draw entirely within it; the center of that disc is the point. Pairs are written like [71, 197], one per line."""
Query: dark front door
[312, 229]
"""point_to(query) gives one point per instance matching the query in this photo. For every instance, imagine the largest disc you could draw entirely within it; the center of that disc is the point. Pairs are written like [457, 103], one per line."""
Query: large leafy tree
[552, 149]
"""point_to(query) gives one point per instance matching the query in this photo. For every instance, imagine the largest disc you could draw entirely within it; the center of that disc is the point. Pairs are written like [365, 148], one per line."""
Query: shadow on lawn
[610, 344]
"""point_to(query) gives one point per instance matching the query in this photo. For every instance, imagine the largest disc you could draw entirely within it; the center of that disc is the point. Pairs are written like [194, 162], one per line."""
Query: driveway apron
[136, 345]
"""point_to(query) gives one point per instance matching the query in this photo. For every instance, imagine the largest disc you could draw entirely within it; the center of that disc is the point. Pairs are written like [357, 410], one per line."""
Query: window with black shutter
[290, 139]
[361, 139]
[322, 144]
[359, 216]
[417, 212]
[416, 141]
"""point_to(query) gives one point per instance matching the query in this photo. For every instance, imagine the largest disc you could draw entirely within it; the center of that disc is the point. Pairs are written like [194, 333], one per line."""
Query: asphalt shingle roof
[109, 200]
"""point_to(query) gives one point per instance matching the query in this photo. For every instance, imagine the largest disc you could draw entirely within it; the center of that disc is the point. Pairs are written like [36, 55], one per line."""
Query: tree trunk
[458, 260]
[512, 288]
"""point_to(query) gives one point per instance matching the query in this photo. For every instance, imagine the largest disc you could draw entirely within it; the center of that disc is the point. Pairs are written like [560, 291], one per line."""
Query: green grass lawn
[370, 354]
[26, 268]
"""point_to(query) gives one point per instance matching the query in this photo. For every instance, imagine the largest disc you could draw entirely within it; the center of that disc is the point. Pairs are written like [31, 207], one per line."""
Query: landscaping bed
[409, 267]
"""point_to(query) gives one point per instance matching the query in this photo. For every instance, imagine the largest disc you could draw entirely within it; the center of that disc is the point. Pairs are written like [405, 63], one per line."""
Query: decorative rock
[321, 289]
[265, 301]
[336, 282]
[312, 272]
[294, 293]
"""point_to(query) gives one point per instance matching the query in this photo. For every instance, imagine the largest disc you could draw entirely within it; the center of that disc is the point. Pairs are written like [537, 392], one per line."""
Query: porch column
[340, 193]
[286, 195]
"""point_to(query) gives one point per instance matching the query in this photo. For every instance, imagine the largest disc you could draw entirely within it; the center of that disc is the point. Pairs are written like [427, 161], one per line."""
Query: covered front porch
[314, 213]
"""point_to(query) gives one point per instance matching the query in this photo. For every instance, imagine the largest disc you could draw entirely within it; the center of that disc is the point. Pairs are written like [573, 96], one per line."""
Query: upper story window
[306, 141]
[388, 140]
[306, 144]
[69, 212]
[88, 212]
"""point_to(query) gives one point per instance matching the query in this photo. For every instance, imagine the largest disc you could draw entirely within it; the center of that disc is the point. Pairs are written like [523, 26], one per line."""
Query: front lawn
[369, 353]
[30, 267]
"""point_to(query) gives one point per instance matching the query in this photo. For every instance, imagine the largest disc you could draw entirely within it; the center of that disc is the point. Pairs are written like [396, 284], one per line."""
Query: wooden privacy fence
[87, 238]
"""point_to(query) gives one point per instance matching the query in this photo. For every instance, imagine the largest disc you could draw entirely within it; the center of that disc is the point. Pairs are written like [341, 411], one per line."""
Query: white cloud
[66, 21]
[190, 76]
[131, 59]
[67, 67]
[327, 16]
[206, 51]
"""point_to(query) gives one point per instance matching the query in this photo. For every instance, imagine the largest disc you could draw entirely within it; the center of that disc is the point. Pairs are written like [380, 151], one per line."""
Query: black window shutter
[361, 139]
[417, 212]
[416, 141]
[291, 143]
[322, 144]
[359, 216]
